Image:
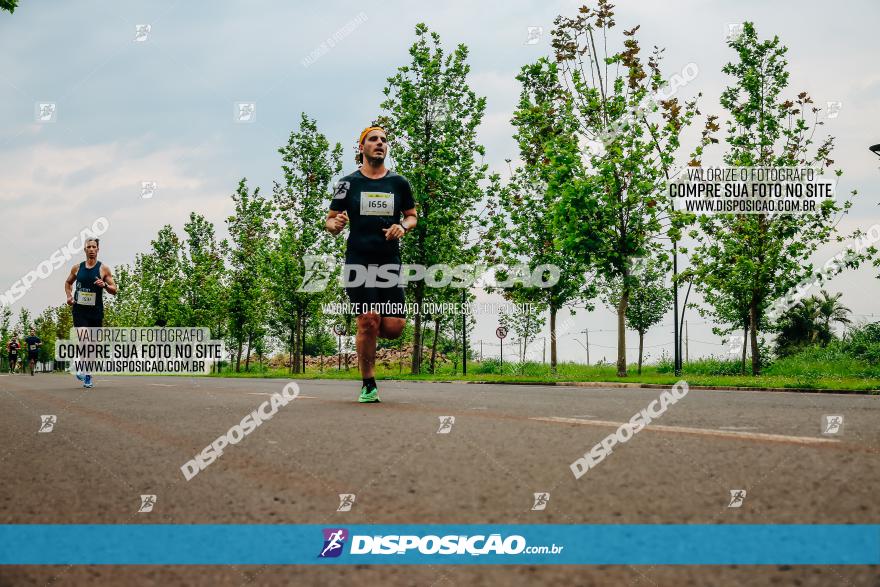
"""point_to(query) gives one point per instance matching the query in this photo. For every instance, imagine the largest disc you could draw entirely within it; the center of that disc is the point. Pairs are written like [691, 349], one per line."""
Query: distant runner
[373, 199]
[91, 278]
[12, 348]
[33, 344]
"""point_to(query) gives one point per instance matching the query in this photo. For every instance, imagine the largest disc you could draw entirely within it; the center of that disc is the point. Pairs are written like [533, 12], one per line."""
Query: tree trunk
[290, 348]
[552, 340]
[417, 334]
[296, 341]
[745, 346]
[247, 362]
[238, 356]
[303, 343]
[434, 344]
[621, 330]
[641, 347]
[753, 335]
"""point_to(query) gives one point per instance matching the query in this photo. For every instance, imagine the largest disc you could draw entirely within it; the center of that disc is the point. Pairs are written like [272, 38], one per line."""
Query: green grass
[800, 372]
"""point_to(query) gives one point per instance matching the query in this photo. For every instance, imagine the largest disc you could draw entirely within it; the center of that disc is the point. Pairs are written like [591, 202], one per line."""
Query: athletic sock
[370, 383]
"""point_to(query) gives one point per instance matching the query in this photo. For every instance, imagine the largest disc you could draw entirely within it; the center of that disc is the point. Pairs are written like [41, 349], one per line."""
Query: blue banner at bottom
[527, 544]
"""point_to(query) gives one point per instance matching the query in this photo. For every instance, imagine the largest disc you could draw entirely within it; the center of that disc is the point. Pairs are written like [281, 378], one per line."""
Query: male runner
[33, 344]
[91, 278]
[373, 198]
[12, 348]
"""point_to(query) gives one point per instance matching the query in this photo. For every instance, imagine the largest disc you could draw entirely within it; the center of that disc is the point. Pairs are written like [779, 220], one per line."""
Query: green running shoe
[369, 397]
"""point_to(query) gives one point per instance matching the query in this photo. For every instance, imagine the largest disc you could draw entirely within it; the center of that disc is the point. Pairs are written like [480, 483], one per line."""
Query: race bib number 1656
[377, 204]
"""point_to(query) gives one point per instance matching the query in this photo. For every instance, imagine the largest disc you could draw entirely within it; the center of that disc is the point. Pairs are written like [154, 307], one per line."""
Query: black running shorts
[364, 296]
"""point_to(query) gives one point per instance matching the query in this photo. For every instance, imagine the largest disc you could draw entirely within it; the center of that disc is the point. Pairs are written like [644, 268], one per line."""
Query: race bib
[377, 204]
[33, 347]
[85, 298]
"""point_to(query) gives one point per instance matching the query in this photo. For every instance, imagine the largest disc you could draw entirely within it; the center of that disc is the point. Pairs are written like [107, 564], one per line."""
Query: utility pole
[544, 359]
[481, 350]
[586, 331]
[686, 342]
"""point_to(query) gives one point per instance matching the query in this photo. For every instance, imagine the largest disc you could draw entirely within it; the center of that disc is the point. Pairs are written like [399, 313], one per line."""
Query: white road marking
[699, 431]
[162, 384]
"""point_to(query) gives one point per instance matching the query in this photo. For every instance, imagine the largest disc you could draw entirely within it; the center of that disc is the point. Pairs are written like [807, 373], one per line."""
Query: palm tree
[829, 309]
[809, 322]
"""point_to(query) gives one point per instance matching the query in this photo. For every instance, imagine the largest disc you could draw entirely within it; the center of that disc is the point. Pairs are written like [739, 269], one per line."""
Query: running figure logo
[47, 423]
[148, 189]
[245, 111]
[341, 189]
[334, 541]
[346, 500]
[832, 424]
[737, 497]
[46, 112]
[533, 35]
[446, 423]
[142, 32]
[318, 271]
[147, 503]
[541, 500]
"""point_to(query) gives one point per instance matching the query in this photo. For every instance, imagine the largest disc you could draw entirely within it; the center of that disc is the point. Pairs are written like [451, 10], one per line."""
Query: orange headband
[367, 131]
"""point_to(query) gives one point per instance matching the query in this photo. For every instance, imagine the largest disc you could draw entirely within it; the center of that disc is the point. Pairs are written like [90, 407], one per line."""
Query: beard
[374, 161]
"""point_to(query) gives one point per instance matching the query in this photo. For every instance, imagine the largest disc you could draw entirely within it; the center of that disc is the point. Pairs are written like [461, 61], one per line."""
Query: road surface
[130, 435]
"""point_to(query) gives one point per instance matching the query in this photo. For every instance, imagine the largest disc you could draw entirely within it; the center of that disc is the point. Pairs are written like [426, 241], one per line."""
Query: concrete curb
[621, 385]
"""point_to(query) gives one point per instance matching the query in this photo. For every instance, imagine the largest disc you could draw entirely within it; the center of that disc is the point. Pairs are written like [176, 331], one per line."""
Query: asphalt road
[130, 435]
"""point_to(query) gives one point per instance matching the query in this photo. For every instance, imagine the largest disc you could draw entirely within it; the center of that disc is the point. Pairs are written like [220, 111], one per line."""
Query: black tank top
[87, 297]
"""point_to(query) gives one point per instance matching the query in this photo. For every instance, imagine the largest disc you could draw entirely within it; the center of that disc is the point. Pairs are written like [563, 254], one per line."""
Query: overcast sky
[163, 109]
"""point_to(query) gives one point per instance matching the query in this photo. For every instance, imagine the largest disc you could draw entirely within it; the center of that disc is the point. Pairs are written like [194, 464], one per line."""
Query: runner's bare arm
[68, 284]
[398, 230]
[412, 217]
[106, 280]
[336, 221]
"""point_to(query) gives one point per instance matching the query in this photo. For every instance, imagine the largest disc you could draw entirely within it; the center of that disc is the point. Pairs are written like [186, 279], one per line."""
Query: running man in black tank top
[85, 286]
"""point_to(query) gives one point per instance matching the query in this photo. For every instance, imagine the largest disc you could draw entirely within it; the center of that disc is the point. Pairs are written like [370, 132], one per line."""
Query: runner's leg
[365, 343]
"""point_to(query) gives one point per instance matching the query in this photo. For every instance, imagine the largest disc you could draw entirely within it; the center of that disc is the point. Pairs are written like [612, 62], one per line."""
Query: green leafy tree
[762, 256]
[250, 228]
[522, 227]
[650, 299]
[431, 121]
[309, 163]
[615, 209]
[162, 279]
[8, 5]
[130, 306]
[204, 274]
